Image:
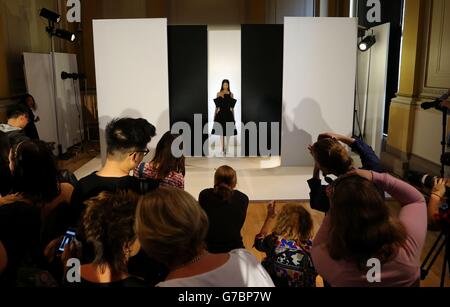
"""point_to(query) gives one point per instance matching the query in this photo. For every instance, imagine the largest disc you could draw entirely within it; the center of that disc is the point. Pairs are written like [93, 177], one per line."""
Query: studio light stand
[50, 30]
[444, 235]
[54, 18]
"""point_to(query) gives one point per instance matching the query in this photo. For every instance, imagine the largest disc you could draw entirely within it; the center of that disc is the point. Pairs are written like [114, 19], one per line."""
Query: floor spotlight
[68, 36]
[367, 42]
[50, 16]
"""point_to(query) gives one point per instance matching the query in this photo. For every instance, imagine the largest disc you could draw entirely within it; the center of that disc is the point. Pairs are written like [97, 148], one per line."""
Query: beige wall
[178, 12]
[434, 78]
[415, 134]
[22, 30]
[4, 80]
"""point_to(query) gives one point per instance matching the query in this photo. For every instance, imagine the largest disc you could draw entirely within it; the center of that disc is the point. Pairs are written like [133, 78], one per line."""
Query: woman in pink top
[359, 232]
[165, 167]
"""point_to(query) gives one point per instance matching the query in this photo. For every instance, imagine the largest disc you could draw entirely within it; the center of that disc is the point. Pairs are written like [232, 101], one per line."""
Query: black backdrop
[188, 75]
[262, 76]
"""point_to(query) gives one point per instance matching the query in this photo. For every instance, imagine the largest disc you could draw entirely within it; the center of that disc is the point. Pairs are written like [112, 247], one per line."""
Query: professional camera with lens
[424, 180]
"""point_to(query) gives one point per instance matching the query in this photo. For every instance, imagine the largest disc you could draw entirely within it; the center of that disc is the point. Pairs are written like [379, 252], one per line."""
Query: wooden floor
[80, 156]
[256, 215]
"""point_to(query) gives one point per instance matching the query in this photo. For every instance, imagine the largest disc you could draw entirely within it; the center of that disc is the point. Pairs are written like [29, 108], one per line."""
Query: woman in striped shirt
[165, 167]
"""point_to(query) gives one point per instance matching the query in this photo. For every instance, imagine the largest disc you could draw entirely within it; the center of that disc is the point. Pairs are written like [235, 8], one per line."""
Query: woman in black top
[226, 209]
[224, 121]
[5, 172]
[30, 129]
[35, 184]
[108, 224]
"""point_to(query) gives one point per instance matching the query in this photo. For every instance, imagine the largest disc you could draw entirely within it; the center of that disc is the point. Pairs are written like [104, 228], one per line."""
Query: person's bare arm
[269, 223]
[436, 197]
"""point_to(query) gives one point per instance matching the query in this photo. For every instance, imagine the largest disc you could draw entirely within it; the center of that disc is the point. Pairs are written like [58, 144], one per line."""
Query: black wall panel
[188, 76]
[262, 76]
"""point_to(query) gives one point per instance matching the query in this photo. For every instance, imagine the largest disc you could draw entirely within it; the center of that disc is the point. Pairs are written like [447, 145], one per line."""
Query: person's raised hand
[71, 250]
[439, 187]
[271, 209]
[329, 135]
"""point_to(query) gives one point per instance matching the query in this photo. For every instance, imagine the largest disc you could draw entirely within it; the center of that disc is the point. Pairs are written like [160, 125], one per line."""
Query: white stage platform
[261, 179]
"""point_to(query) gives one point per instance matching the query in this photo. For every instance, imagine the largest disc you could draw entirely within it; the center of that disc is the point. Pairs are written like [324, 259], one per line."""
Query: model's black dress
[224, 116]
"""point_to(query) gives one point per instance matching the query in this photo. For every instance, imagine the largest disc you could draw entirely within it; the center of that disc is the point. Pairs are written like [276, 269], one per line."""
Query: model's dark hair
[23, 101]
[125, 135]
[225, 181]
[361, 226]
[227, 82]
[35, 173]
[164, 160]
[109, 225]
[332, 156]
[16, 110]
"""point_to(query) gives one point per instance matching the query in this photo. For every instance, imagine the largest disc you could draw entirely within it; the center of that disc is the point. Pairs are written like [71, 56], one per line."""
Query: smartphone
[68, 238]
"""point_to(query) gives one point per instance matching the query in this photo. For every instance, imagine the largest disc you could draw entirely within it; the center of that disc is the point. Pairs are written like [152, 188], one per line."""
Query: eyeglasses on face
[145, 152]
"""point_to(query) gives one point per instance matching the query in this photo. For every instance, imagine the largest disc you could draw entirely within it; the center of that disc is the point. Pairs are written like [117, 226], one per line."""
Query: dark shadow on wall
[299, 130]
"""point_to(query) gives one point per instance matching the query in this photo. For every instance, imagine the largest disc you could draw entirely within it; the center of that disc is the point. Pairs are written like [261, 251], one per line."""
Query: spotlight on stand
[68, 36]
[367, 42]
[54, 18]
[50, 16]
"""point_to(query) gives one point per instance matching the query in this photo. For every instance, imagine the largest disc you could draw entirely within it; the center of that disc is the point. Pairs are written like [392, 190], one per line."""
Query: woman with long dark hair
[360, 232]
[226, 208]
[30, 129]
[224, 121]
[36, 192]
[165, 167]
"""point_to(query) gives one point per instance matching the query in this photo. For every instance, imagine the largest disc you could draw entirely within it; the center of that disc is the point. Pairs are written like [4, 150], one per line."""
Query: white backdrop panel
[224, 62]
[376, 93]
[68, 101]
[132, 72]
[38, 76]
[318, 83]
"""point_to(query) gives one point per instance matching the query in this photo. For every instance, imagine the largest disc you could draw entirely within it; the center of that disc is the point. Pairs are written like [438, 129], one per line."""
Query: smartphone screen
[68, 237]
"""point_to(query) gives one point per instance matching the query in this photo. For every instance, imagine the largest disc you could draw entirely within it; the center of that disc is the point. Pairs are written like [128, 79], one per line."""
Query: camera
[436, 103]
[68, 238]
[425, 180]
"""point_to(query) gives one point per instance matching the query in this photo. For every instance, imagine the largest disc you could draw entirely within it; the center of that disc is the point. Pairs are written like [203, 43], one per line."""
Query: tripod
[425, 267]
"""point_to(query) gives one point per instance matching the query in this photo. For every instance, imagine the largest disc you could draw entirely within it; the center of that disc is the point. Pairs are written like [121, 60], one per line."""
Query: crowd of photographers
[145, 230]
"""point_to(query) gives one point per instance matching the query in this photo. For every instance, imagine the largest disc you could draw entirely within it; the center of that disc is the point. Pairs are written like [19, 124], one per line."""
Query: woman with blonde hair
[172, 228]
[226, 208]
[286, 240]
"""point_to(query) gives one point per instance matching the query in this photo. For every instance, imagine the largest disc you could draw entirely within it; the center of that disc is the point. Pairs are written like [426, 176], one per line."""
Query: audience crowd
[133, 225]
